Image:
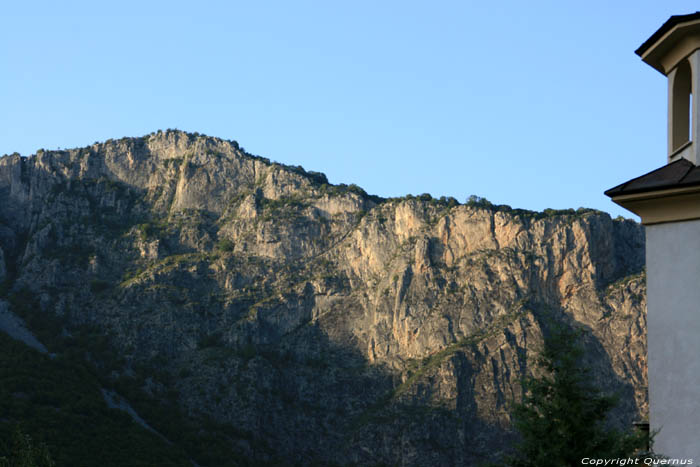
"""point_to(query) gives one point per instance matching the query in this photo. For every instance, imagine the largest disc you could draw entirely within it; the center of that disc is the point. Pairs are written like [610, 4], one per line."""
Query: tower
[674, 50]
[668, 202]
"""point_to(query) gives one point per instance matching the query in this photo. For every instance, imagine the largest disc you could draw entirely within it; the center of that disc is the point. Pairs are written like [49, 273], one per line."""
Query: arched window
[682, 100]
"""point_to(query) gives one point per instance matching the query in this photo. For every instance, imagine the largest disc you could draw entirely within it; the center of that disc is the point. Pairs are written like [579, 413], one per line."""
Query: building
[668, 202]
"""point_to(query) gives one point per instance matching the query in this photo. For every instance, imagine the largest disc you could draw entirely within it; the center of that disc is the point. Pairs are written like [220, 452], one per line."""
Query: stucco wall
[673, 319]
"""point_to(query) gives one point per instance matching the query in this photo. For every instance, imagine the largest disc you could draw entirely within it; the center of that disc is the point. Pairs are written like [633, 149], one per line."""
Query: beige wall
[673, 330]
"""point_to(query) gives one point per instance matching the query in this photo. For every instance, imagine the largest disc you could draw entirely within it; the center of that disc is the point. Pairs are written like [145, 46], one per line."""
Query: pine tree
[562, 416]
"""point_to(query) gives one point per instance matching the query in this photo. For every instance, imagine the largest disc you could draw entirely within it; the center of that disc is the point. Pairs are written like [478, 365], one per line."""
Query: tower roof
[681, 173]
[669, 43]
[668, 194]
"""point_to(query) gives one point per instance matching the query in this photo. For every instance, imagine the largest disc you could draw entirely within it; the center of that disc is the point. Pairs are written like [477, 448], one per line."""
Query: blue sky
[533, 104]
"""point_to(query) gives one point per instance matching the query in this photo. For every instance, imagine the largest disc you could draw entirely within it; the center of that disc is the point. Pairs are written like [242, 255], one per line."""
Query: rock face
[322, 323]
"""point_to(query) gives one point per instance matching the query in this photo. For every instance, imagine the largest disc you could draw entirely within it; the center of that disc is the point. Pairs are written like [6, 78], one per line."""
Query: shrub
[151, 230]
[478, 201]
[225, 245]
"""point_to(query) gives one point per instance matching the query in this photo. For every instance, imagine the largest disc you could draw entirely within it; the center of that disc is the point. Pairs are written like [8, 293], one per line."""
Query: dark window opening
[682, 106]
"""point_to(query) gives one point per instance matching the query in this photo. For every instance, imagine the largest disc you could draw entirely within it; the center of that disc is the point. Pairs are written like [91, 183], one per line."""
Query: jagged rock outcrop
[323, 323]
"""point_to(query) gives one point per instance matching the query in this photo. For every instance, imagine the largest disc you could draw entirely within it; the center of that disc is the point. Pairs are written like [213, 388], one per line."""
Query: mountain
[250, 312]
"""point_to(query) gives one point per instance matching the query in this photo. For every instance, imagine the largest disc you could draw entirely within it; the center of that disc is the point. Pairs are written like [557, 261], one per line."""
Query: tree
[24, 453]
[562, 418]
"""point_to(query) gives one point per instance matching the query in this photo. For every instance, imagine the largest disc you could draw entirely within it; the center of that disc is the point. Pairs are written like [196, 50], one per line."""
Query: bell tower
[674, 50]
[668, 202]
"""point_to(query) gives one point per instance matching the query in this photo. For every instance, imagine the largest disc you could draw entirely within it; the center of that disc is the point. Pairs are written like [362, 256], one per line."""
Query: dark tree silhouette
[562, 418]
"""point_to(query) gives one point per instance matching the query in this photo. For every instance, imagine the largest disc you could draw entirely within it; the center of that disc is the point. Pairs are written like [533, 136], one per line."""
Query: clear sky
[534, 104]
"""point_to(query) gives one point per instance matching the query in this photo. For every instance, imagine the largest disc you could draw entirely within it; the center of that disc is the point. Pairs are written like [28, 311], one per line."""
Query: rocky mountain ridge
[318, 323]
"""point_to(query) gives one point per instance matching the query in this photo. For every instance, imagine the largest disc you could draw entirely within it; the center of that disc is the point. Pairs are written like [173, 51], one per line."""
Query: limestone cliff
[323, 324]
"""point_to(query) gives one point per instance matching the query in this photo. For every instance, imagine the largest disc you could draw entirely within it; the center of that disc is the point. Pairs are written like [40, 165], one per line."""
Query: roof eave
[666, 27]
[663, 206]
[654, 51]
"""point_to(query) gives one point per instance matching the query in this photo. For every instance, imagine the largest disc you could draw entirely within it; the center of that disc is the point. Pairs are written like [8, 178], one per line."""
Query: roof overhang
[668, 194]
[670, 205]
[672, 42]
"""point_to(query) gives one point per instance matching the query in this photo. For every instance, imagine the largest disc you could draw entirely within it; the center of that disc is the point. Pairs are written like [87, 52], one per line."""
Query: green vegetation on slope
[59, 404]
[58, 401]
[24, 452]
